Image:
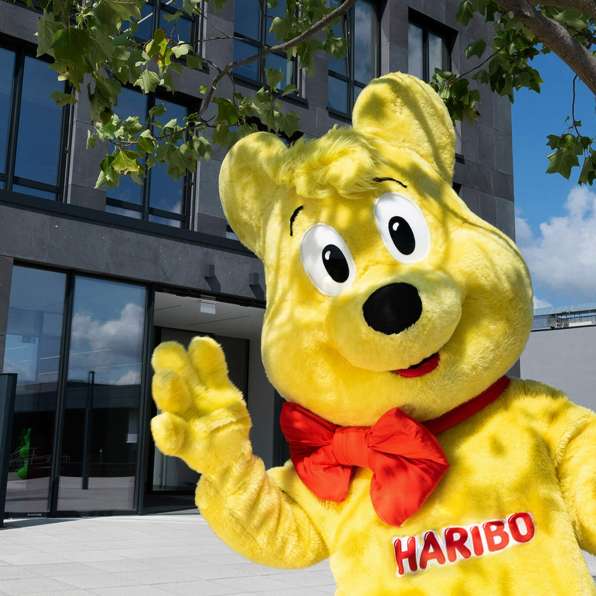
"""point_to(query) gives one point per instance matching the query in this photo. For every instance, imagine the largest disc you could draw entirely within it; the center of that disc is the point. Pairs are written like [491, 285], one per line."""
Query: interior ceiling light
[207, 307]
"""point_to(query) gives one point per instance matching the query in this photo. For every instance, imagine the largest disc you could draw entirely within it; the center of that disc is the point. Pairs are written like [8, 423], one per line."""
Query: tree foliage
[506, 66]
[95, 49]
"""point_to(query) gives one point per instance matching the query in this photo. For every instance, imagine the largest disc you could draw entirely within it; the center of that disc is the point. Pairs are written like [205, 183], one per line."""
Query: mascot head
[383, 289]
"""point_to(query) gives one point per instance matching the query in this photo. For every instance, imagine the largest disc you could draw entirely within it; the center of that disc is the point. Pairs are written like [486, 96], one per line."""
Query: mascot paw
[198, 402]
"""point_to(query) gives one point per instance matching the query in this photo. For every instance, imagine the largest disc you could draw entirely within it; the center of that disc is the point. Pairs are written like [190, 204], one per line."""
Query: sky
[555, 218]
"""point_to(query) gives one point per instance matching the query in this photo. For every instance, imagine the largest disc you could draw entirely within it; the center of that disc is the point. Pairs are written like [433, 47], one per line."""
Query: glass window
[429, 46]
[161, 198]
[33, 340]
[38, 154]
[101, 416]
[156, 14]
[365, 41]
[349, 75]
[30, 162]
[252, 24]
[415, 51]
[435, 53]
[6, 76]
[248, 18]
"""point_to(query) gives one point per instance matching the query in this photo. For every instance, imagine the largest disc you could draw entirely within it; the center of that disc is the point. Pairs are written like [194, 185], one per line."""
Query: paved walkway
[150, 555]
[138, 556]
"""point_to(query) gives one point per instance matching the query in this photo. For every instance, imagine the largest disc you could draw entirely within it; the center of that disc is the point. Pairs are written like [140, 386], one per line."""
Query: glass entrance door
[102, 397]
[77, 345]
[33, 342]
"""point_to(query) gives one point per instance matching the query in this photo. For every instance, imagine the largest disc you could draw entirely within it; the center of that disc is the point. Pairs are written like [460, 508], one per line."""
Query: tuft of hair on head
[341, 162]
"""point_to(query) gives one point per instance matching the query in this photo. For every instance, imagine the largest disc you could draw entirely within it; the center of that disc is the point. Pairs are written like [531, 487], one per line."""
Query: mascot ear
[404, 111]
[247, 185]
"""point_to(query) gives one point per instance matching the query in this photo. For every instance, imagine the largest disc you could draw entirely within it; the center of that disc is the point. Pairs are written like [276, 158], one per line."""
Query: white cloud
[562, 256]
[131, 377]
[539, 303]
[112, 348]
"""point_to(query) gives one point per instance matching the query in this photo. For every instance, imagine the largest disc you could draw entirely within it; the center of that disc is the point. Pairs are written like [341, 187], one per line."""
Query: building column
[5, 276]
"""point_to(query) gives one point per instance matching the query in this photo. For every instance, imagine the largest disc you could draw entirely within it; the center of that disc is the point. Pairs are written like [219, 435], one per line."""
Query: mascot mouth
[423, 367]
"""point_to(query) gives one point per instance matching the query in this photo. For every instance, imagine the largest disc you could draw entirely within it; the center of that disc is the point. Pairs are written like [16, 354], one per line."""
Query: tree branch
[555, 37]
[586, 7]
[282, 47]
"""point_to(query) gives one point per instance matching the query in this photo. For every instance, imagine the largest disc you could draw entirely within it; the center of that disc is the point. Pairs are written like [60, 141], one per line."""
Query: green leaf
[181, 49]
[476, 48]
[91, 140]
[125, 162]
[565, 155]
[289, 89]
[63, 99]
[72, 48]
[465, 11]
[47, 28]
[274, 77]
[227, 112]
[148, 81]
[193, 61]
[157, 110]
[146, 141]
[588, 171]
[125, 9]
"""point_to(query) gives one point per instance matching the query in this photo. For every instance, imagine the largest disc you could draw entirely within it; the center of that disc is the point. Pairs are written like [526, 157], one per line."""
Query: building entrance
[169, 483]
[81, 347]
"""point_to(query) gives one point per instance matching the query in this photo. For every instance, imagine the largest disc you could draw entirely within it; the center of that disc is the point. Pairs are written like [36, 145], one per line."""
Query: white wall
[565, 359]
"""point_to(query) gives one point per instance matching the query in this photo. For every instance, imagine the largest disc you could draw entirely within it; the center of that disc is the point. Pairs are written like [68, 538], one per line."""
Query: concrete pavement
[151, 555]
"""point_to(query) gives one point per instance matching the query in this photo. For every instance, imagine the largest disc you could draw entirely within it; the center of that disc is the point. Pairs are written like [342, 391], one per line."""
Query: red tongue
[422, 368]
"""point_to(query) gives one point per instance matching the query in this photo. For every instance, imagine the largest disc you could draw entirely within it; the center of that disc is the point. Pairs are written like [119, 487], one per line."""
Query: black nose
[392, 308]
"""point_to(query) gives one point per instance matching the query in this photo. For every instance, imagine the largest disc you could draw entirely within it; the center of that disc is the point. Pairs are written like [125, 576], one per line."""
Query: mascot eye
[326, 259]
[402, 227]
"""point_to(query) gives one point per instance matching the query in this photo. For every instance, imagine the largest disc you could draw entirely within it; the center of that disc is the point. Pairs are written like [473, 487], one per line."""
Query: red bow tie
[405, 457]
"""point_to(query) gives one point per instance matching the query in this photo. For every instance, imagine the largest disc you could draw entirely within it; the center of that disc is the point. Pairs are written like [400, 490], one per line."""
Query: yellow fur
[532, 450]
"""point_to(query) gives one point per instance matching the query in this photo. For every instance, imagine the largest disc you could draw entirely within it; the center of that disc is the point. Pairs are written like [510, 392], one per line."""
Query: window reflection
[38, 154]
[32, 165]
[415, 53]
[161, 198]
[101, 417]
[34, 335]
[365, 41]
[429, 46]
[247, 20]
[160, 14]
[350, 74]
[252, 25]
[6, 75]
[165, 192]
[435, 54]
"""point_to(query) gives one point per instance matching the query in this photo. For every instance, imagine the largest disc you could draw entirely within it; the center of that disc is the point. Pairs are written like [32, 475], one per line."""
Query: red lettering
[514, 527]
[496, 536]
[477, 541]
[409, 554]
[431, 551]
[455, 542]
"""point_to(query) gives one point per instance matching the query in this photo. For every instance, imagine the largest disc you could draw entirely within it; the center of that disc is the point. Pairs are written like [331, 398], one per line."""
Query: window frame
[8, 178]
[348, 23]
[259, 44]
[188, 180]
[447, 35]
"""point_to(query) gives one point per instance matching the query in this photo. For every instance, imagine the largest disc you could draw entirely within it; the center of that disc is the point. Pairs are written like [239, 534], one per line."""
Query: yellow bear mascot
[393, 315]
